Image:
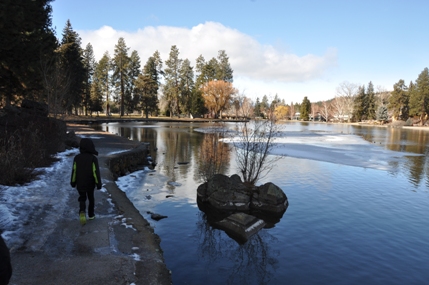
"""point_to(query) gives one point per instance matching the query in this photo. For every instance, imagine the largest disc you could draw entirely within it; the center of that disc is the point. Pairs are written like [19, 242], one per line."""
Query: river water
[358, 207]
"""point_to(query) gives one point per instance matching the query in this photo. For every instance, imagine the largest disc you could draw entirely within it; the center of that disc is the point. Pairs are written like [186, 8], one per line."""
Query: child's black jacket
[86, 173]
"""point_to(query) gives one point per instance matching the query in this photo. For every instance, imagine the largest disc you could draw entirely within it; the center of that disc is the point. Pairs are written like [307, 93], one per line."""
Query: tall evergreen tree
[72, 60]
[27, 40]
[158, 63]
[359, 109]
[264, 105]
[399, 101]
[186, 86]
[370, 102]
[133, 72]
[147, 85]
[89, 65]
[419, 96]
[198, 106]
[102, 77]
[305, 109]
[145, 88]
[257, 109]
[224, 70]
[206, 71]
[172, 80]
[120, 64]
[96, 99]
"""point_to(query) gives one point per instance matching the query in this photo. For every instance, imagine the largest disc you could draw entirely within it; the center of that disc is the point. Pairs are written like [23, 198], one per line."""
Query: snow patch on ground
[48, 194]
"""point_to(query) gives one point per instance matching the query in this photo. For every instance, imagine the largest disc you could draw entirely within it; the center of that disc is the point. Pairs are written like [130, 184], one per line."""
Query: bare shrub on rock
[253, 144]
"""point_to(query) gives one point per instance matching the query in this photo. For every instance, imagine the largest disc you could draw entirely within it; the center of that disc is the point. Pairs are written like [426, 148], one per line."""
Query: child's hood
[87, 146]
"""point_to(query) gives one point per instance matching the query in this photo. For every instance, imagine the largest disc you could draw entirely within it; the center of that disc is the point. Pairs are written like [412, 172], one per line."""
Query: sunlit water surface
[344, 224]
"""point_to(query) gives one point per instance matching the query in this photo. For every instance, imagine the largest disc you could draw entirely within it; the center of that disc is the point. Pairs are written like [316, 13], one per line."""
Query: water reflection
[179, 143]
[328, 201]
[412, 141]
[254, 262]
[213, 156]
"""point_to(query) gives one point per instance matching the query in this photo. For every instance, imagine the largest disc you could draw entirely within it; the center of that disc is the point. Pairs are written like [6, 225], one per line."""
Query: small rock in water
[157, 217]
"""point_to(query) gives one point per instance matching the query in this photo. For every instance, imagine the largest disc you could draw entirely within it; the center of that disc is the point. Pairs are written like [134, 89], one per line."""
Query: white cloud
[250, 60]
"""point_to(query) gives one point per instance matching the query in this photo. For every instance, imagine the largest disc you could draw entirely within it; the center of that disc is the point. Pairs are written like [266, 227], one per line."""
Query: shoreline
[118, 247]
[150, 268]
[86, 120]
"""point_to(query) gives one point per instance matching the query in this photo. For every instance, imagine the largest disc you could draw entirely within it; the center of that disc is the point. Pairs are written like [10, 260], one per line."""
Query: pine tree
[102, 78]
[89, 65]
[120, 64]
[186, 86]
[369, 103]
[133, 73]
[419, 96]
[72, 61]
[264, 105]
[27, 42]
[381, 114]
[198, 106]
[206, 71]
[96, 102]
[305, 109]
[257, 109]
[172, 80]
[147, 85]
[224, 70]
[399, 101]
[359, 105]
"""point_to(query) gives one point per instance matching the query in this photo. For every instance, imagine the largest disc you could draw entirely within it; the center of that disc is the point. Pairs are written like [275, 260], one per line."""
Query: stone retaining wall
[128, 161]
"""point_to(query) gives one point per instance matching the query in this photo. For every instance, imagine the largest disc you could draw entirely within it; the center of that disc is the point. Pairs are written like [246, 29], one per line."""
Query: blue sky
[289, 48]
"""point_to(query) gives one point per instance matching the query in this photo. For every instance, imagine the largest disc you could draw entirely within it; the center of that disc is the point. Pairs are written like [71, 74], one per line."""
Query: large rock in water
[225, 193]
[240, 226]
[239, 210]
[230, 193]
[269, 198]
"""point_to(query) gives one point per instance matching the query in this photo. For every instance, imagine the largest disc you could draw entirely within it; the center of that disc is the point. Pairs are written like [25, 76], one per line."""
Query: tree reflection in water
[254, 262]
[214, 156]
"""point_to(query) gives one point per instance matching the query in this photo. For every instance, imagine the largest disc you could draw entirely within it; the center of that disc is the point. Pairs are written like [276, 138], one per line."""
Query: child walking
[85, 177]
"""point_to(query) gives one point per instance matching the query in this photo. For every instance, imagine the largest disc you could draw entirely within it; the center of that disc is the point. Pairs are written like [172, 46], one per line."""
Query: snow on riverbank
[46, 196]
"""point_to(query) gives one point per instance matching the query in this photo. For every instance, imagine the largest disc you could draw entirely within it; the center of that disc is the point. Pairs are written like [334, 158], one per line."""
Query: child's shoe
[91, 218]
[82, 218]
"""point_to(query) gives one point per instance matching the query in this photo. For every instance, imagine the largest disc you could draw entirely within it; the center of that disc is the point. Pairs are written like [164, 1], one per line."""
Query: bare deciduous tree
[247, 108]
[255, 141]
[339, 107]
[382, 95]
[325, 111]
[292, 110]
[56, 81]
[344, 98]
[314, 110]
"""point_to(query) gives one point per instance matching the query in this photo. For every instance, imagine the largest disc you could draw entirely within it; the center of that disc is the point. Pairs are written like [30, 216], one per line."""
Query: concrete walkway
[118, 247]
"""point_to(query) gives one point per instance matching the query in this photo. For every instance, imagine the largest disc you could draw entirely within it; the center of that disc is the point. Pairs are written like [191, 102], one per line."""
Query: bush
[18, 164]
[27, 142]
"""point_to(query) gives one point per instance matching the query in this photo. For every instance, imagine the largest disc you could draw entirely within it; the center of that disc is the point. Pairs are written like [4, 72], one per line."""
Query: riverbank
[49, 246]
[102, 118]
[73, 119]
